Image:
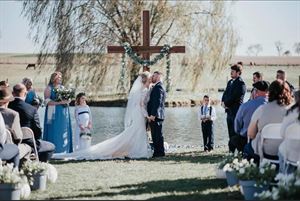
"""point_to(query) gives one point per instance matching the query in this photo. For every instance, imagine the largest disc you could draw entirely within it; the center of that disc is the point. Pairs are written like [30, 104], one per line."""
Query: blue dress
[30, 96]
[57, 126]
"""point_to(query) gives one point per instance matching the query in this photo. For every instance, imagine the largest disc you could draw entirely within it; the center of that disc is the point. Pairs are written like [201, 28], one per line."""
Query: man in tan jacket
[12, 122]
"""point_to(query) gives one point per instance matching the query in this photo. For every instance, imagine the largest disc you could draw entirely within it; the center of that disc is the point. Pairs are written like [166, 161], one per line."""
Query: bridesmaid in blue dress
[57, 124]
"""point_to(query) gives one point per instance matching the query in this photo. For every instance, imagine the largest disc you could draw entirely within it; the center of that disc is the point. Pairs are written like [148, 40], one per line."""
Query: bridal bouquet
[63, 93]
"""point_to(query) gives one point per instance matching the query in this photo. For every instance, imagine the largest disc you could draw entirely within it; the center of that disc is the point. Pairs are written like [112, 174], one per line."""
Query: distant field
[13, 68]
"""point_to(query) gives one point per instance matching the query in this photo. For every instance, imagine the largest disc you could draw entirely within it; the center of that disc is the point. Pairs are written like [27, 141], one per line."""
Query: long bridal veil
[132, 142]
[133, 101]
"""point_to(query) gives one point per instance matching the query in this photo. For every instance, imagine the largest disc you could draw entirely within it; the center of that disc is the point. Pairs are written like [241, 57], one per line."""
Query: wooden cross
[145, 49]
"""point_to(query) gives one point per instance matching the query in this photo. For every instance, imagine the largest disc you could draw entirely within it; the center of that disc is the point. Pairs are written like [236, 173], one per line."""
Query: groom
[156, 111]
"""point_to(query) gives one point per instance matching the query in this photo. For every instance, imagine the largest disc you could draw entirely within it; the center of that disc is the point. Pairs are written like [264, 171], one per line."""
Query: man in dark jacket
[29, 118]
[156, 112]
[233, 97]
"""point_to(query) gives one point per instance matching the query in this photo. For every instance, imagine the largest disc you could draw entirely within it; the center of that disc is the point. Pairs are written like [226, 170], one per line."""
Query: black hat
[261, 85]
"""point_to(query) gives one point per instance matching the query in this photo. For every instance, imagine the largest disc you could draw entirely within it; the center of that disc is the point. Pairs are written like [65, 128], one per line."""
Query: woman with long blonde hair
[57, 124]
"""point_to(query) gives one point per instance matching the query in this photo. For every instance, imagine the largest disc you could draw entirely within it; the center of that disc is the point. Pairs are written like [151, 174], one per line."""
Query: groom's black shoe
[158, 155]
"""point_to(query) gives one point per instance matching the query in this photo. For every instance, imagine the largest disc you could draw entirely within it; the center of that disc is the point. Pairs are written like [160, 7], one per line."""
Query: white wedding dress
[132, 142]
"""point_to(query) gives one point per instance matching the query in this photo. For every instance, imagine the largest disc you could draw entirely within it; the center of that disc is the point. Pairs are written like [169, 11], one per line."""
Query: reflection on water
[181, 126]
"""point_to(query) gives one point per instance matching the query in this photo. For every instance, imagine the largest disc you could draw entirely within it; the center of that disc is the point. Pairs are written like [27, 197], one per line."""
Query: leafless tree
[297, 48]
[254, 49]
[279, 47]
[79, 32]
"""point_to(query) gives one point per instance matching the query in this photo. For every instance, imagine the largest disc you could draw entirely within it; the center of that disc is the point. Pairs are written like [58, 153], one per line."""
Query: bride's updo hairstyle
[145, 76]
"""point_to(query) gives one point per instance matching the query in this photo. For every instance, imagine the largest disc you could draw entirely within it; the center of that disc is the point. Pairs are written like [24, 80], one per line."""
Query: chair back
[28, 134]
[292, 140]
[293, 131]
[270, 141]
[9, 139]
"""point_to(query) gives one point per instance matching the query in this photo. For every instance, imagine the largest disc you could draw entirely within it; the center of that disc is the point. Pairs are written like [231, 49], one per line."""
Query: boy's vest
[210, 109]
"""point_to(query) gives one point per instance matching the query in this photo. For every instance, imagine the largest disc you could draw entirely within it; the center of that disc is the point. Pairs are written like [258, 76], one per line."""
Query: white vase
[85, 142]
[9, 192]
[220, 174]
[250, 189]
[231, 178]
[39, 182]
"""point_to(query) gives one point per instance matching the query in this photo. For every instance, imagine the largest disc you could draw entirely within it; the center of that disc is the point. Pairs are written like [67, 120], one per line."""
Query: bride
[133, 141]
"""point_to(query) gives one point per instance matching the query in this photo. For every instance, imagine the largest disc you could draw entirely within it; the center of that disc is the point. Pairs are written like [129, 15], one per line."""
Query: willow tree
[81, 30]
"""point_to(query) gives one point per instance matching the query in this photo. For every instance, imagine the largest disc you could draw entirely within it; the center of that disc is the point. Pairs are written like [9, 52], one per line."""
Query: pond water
[181, 126]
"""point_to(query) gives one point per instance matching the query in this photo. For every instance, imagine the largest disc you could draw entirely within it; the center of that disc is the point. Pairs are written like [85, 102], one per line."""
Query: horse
[30, 66]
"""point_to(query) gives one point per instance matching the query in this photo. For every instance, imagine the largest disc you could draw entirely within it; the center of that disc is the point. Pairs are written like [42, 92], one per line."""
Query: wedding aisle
[184, 175]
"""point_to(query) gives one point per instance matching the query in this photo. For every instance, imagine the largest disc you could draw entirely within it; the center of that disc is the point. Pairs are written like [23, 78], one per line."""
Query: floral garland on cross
[164, 52]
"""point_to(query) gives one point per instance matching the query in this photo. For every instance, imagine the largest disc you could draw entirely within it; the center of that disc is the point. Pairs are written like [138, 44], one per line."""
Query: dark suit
[233, 97]
[156, 107]
[29, 118]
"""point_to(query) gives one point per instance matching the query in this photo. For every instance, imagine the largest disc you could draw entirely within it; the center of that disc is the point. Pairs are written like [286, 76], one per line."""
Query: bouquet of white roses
[62, 93]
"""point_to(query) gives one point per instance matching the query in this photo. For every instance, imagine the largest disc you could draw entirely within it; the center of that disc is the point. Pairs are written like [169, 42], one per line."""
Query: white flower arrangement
[31, 168]
[11, 175]
[51, 173]
[288, 187]
[263, 175]
[227, 159]
[233, 163]
[25, 191]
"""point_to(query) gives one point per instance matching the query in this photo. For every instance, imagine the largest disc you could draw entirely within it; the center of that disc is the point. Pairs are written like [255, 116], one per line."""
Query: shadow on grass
[191, 157]
[181, 189]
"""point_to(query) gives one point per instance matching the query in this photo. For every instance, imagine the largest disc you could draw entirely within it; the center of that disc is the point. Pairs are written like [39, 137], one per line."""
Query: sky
[257, 22]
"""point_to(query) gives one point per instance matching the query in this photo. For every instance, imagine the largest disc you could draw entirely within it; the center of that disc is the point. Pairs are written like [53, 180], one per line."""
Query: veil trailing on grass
[132, 142]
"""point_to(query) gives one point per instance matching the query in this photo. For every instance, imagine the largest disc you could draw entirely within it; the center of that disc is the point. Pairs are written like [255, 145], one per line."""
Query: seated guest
[257, 76]
[4, 83]
[31, 96]
[12, 122]
[244, 115]
[280, 74]
[292, 116]
[8, 152]
[29, 118]
[272, 112]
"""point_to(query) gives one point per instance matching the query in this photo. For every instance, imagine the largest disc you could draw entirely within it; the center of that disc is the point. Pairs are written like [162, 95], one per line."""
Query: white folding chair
[270, 141]
[9, 139]
[28, 134]
[292, 140]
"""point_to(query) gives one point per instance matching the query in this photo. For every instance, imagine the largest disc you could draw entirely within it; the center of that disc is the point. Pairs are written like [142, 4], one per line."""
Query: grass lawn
[182, 175]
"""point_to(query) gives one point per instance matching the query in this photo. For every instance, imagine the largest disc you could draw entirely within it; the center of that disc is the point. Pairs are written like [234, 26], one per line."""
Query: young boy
[207, 115]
